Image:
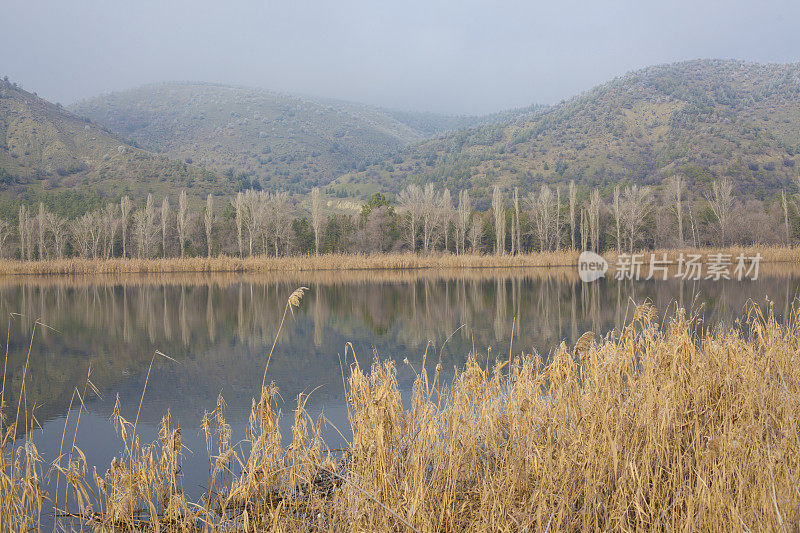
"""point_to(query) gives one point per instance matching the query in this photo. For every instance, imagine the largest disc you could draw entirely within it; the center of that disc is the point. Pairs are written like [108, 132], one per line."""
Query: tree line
[421, 219]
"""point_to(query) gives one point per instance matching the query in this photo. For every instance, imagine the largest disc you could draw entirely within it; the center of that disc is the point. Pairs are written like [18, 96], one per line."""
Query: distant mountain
[256, 136]
[433, 123]
[704, 119]
[47, 152]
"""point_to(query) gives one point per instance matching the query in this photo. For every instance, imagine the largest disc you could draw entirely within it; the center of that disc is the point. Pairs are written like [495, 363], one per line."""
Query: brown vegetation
[342, 262]
[651, 428]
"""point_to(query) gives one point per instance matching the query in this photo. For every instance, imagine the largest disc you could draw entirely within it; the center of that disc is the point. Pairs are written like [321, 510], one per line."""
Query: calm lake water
[219, 329]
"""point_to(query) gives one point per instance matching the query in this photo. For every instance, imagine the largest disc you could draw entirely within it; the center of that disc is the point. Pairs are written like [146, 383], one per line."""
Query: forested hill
[50, 154]
[259, 137]
[703, 119]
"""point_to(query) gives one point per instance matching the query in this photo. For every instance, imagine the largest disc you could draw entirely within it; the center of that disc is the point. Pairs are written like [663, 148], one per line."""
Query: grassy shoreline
[660, 426]
[344, 262]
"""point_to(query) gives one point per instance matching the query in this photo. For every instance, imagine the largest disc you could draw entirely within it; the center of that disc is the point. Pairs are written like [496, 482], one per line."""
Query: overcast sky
[453, 56]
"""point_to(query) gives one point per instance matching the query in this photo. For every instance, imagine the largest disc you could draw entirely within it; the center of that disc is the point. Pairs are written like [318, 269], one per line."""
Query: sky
[447, 56]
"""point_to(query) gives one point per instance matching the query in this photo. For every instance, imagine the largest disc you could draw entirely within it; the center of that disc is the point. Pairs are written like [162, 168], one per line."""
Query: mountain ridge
[274, 139]
[704, 119]
[47, 151]
[700, 118]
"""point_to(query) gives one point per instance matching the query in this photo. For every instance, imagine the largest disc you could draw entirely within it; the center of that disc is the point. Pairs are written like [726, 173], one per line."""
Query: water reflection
[219, 329]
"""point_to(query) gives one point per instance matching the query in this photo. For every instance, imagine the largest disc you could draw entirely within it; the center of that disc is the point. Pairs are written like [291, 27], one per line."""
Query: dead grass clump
[651, 428]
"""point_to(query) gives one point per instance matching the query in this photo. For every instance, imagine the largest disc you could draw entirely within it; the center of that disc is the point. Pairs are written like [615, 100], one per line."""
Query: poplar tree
[208, 218]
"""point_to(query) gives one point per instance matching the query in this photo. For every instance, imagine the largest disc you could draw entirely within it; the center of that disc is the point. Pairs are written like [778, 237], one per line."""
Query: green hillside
[47, 152]
[256, 136]
[704, 119]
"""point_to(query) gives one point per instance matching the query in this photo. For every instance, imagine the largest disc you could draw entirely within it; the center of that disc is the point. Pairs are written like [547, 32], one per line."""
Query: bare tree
[518, 229]
[59, 230]
[635, 205]
[96, 231]
[110, 222]
[125, 208]
[81, 230]
[208, 219]
[23, 233]
[513, 234]
[476, 235]
[273, 220]
[411, 203]
[445, 212]
[251, 215]
[617, 217]
[140, 232]
[675, 187]
[785, 206]
[721, 202]
[150, 225]
[238, 205]
[279, 219]
[695, 236]
[40, 224]
[5, 233]
[30, 231]
[572, 204]
[557, 216]
[183, 211]
[584, 230]
[374, 234]
[499, 221]
[464, 211]
[164, 225]
[429, 210]
[593, 216]
[543, 208]
[316, 217]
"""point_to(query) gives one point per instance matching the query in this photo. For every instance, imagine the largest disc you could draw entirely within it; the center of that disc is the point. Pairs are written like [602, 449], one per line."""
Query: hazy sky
[455, 56]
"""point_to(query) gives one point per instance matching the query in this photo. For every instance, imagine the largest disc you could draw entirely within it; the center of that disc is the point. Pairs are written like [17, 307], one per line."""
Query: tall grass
[662, 425]
[342, 262]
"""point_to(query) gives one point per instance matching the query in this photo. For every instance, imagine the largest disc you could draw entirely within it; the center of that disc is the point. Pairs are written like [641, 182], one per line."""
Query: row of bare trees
[134, 231]
[628, 221]
[549, 218]
[433, 213]
[264, 219]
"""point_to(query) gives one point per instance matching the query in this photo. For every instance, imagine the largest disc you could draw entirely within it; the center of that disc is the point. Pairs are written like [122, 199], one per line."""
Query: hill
[704, 119]
[256, 136]
[48, 153]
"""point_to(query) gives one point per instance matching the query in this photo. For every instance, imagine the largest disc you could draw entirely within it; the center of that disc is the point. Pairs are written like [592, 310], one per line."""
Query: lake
[217, 331]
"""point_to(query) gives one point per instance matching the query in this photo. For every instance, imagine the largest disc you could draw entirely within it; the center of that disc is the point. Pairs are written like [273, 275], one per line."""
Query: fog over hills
[704, 119]
[260, 137]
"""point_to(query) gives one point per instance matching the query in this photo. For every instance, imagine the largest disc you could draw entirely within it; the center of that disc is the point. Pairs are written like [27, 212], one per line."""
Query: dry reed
[342, 262]
[652, 428]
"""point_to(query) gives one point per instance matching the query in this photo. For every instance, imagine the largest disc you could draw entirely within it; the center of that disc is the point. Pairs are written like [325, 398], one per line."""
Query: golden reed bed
[560, 274]
[655, 428]
[341, 262]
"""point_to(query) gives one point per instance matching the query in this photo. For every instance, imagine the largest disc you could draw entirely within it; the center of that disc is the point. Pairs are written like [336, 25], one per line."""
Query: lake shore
[352, 262]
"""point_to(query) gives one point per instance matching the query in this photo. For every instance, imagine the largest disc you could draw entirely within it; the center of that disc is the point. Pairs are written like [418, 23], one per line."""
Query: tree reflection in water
[226, 324]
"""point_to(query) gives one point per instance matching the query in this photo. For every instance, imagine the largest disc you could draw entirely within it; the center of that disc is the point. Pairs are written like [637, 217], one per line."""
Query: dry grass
[260, 264]
[316, 277]
[328, 277]
[652, 428]
[342, 262]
